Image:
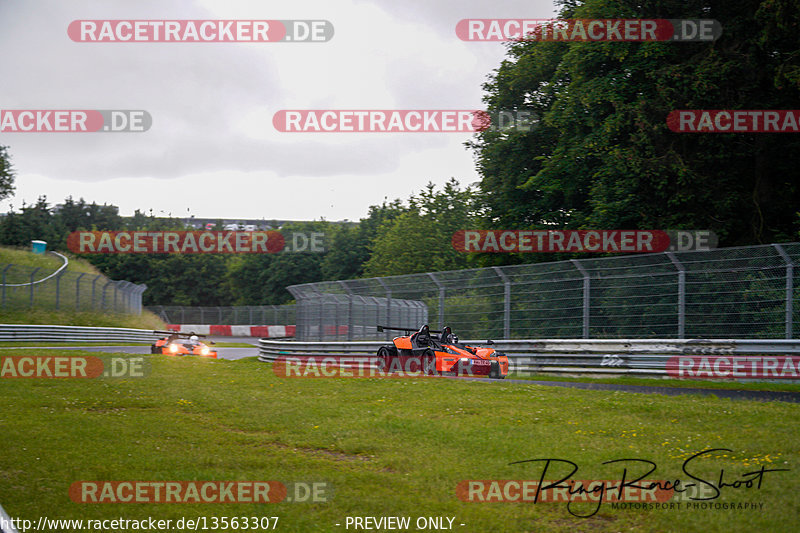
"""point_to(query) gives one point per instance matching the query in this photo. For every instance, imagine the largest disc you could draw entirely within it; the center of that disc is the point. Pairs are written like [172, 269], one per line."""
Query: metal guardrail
[641, 357]
[243, 315]
[25, 333]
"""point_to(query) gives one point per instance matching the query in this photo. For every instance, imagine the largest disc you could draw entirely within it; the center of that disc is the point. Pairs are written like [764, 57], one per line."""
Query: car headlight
[173, 348]
[204, 350]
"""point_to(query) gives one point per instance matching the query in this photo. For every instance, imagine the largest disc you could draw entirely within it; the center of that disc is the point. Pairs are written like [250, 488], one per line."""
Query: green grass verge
[387, 447]
[56, 345]
[664, 382]
[50, 344]
[48, 261]
[146, 320]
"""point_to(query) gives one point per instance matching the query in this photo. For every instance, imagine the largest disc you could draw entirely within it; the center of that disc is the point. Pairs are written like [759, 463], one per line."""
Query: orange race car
[440, 354]
[182, 344]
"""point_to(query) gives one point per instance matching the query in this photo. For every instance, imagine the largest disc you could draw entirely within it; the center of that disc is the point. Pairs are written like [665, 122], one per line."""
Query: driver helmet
[193, 338]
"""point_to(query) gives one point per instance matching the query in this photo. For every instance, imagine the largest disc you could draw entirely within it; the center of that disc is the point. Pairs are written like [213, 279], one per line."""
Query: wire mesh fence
[237, 315]
[746, 292]
[34, 287]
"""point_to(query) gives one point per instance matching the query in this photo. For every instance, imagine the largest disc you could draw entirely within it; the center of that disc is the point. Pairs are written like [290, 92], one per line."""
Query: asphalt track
[240, 353]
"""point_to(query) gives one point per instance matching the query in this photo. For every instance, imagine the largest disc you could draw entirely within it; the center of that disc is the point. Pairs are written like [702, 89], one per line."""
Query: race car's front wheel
[385, 354]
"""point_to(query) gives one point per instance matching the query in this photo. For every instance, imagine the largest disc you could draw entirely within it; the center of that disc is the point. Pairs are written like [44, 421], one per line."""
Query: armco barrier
[271, 332]
[38, 333]
[639, 357]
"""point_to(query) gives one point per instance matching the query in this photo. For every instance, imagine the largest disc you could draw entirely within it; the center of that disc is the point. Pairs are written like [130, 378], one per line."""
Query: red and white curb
[271, 332]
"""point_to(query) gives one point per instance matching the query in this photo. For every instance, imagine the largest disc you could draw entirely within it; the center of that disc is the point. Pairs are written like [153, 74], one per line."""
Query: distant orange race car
[180, 344]
[440, 354]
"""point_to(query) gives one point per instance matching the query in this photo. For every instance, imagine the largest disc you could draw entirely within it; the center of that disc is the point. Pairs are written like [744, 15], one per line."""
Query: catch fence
[746, 292]
[24, 287]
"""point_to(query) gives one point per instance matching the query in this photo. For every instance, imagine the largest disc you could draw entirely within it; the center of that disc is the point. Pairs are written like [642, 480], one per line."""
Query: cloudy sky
[212, 150]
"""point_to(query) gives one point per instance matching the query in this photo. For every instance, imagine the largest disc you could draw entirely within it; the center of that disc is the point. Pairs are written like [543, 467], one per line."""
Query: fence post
[4, 282]
[349, 310]
[586, 298]
[31, 285]
[681, 294]
[441, 298]
[789, 288]
[388, 305]
[143, 287]
[103, 301]
[58, 289]
[77, 291]
[321, 308]
[93, 287]
[506, 302]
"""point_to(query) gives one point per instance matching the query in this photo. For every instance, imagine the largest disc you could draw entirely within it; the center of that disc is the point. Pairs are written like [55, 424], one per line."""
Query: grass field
[48, 261]
[391, 447]
[146, 320]
[79, 295]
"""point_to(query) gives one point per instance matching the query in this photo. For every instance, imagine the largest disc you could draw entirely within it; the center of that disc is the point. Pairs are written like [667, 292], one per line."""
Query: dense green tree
[33, 222]
[420, 239]
[6, 173]
[257, 279]
[349, 248]
[603, 156]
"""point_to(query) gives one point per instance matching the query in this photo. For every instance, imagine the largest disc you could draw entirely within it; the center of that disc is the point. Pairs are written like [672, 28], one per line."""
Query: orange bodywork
[456, 359]
[179, 348]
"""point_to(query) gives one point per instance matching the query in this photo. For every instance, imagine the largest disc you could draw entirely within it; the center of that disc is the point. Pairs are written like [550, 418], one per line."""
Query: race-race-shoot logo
[734, 121]
[587, 30]
[74, 120]
[200, 31]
